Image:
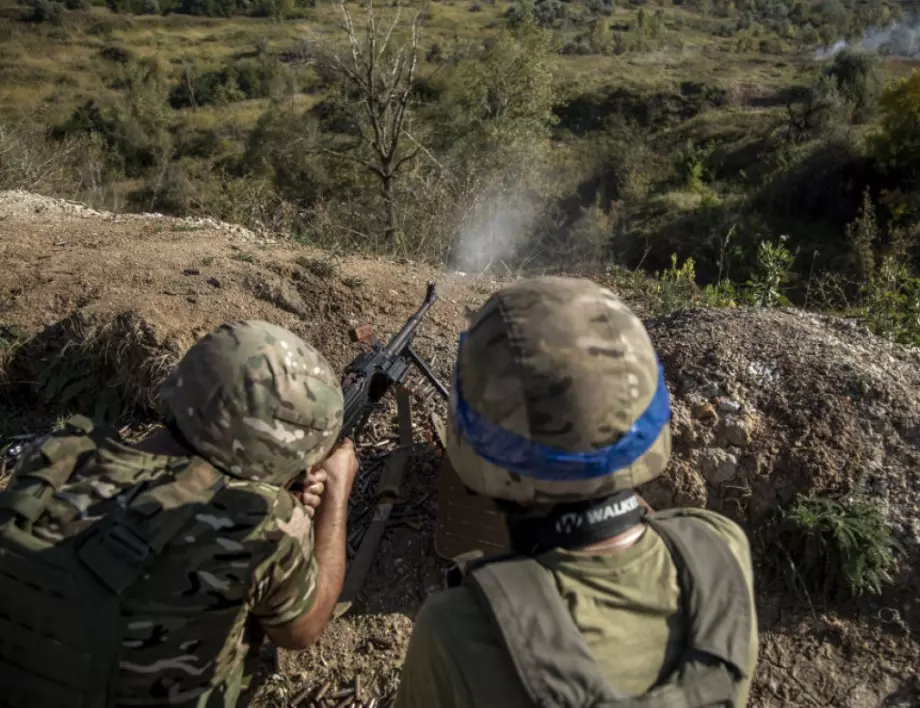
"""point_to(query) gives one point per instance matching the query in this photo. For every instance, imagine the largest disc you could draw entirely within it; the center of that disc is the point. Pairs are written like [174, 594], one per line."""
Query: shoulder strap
[713, 587]
[552, 660]
[123, 544]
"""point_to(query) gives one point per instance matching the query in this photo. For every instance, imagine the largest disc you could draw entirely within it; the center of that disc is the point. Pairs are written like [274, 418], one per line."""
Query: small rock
[705, 413]
[717, 465]
[709, 391]
[192, 299]
[191, 271]
[727, 405]
[737, 431]
[214, 281]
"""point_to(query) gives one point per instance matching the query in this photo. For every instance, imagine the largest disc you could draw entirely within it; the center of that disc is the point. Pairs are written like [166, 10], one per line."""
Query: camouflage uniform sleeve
[737, 541]
[285, 586]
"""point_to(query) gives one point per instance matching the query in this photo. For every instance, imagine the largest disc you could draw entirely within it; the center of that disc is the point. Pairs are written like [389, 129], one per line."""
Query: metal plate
[466, 521]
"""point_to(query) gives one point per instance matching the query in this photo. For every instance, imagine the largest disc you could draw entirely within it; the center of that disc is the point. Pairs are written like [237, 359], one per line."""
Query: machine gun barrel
[403, 337]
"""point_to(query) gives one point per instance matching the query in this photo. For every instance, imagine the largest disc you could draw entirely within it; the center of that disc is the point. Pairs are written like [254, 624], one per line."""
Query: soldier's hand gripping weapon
[367, 379]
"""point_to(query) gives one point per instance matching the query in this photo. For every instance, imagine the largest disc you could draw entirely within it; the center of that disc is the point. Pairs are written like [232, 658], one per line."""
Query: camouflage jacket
[249, 553]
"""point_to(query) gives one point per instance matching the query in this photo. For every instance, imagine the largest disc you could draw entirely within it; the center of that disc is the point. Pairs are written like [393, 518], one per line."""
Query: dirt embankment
[95, 308]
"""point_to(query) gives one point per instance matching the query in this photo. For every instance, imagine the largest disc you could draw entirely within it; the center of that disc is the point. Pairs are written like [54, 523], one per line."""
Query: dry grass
[111, 369]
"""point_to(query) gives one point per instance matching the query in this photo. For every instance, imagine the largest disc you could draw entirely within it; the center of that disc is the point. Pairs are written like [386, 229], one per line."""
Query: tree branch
[410, 156]
[357, 160]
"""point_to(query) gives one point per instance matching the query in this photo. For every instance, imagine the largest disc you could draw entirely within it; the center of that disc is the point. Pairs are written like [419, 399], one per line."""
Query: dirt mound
[771, 404]
[79, 283]
[767, 404]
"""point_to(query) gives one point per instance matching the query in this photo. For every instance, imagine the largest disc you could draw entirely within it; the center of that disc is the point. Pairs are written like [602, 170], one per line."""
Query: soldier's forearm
[331, 535]
[331, 532]
[329, 550]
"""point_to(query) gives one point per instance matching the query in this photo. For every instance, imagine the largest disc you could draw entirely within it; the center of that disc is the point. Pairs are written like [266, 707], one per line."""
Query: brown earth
[767, 404]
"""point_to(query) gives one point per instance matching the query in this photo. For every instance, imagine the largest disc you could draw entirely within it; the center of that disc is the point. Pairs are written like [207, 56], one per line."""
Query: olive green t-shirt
[626, 605]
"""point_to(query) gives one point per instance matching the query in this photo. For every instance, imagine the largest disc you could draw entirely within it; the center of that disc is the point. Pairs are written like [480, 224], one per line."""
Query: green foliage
[821, 112]
[135, 128]
[240, 80]
[498, 110]
[833, 548]
[627, 161]
[721, 294]
[690, 164]
[773, 269]
[44, 11]
[856, 76]
[890, 293]
[892, 302]
[898, 144]
[676, 285]
[862, 234]
[544, 13]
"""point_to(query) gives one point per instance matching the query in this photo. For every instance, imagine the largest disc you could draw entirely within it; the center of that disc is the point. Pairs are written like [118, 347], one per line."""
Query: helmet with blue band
[557, 396]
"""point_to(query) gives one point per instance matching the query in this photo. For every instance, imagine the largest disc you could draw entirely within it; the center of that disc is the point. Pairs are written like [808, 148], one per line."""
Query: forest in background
[718, 153]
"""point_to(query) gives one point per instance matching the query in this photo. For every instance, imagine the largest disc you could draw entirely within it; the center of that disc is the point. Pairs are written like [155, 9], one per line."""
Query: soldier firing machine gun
[367, 379]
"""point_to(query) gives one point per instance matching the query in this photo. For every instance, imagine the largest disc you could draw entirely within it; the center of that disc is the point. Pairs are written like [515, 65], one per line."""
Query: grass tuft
[833, 548]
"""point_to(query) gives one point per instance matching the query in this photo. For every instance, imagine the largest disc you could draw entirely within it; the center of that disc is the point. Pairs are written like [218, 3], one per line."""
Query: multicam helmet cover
[256, 401]
[557, 396]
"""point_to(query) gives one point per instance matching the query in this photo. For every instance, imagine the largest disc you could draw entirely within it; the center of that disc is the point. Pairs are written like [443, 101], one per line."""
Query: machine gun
[367, 379]
[372, 373]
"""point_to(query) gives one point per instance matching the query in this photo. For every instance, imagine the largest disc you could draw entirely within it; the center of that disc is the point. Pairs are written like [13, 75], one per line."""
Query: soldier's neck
[620, 542]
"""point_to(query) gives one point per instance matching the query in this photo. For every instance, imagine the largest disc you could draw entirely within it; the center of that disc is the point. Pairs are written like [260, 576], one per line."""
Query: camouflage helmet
[256, 401]
[557, 396]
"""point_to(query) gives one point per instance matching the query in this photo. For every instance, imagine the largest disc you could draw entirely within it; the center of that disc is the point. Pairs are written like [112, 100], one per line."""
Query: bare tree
[380, 78]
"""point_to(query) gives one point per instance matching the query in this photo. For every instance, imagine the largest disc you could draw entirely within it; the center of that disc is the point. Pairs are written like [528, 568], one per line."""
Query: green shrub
[675, 287]
[832, 548]
[44, 11]
[898, 145]
[821, 111]
[690, 165]
[892, 302]
[774, 261]
[856, 76]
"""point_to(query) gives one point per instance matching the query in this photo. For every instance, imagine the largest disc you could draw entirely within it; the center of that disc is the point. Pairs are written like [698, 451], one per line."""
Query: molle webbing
[60, 618]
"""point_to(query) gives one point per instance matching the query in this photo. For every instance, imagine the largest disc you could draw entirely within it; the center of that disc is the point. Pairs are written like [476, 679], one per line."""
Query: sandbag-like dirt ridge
[767, 404]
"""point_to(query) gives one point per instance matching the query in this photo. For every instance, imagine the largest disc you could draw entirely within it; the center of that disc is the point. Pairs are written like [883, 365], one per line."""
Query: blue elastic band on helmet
[529, 458]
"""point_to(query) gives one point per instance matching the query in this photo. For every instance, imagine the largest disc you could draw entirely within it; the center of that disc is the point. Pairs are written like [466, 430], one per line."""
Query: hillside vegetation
[803, 428]
[708, 143]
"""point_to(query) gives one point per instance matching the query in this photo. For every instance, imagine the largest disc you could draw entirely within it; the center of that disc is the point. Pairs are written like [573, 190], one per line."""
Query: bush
[148, 7]
[898, 145]
[833, 548]
[690, 165]
[44, 11]
[856, 76]
[773, 263]
[116, 53]
[240, 80]
[546, 13]
[77, 4]
[821, 111]
[600, 7]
